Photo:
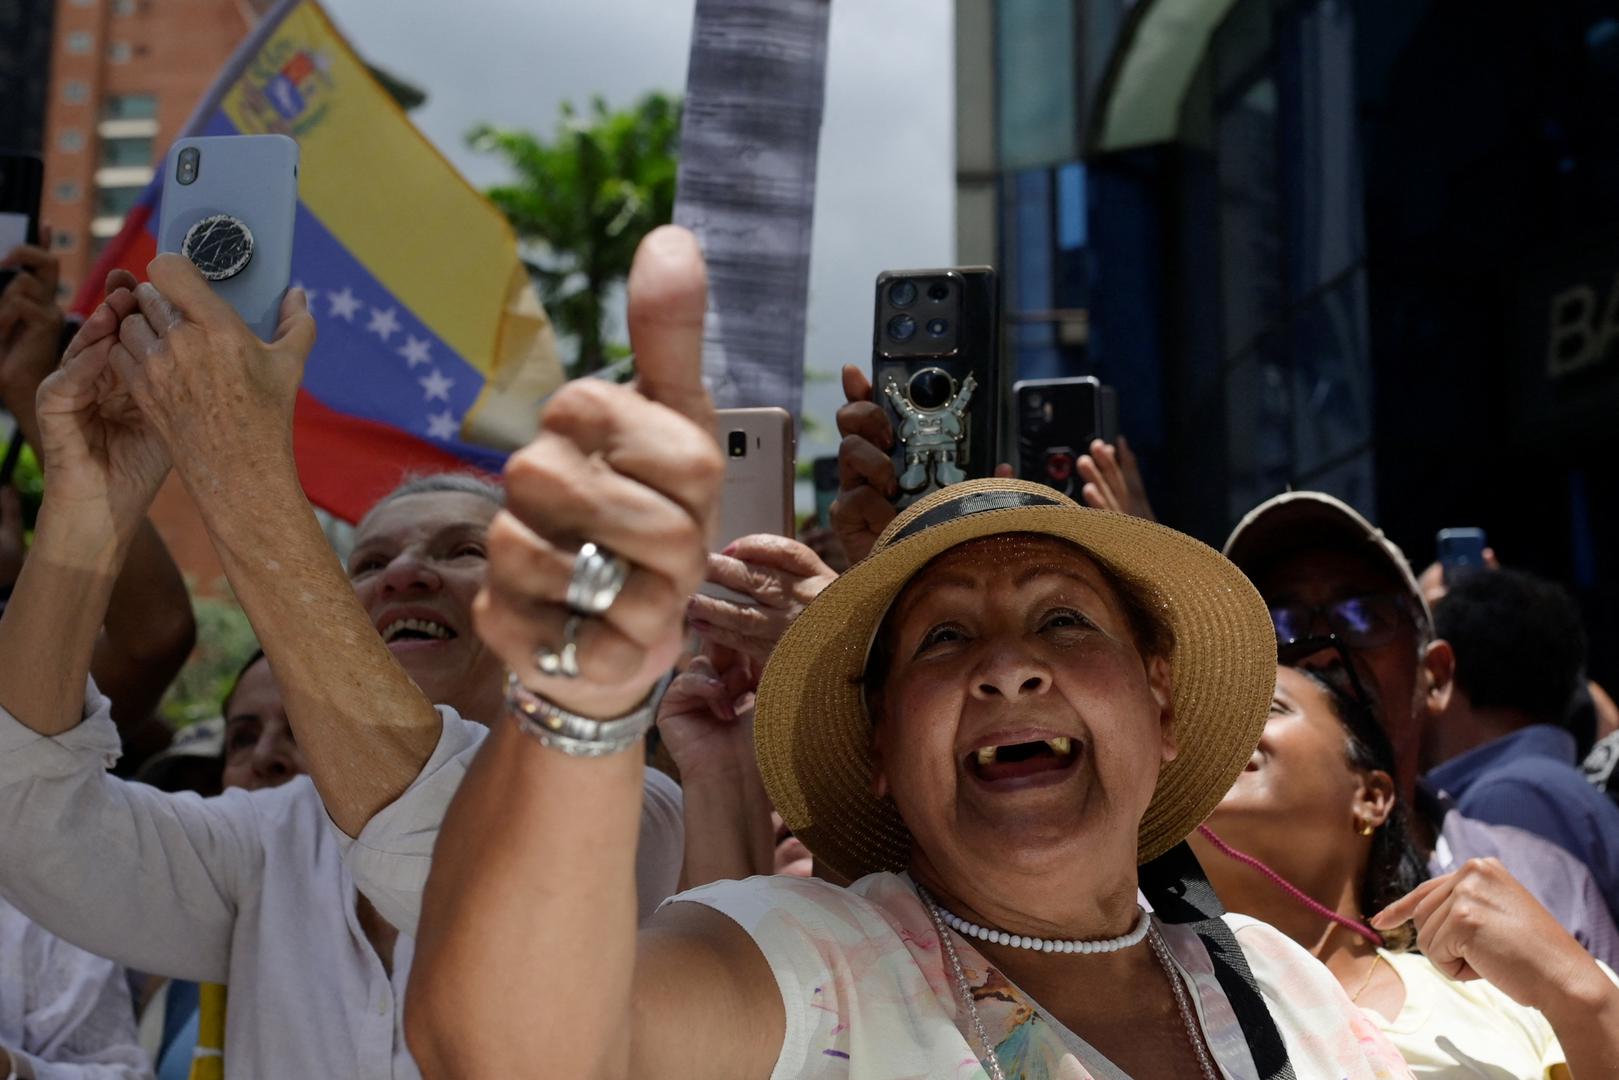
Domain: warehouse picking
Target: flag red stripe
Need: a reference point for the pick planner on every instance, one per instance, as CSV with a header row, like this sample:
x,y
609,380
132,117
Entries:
x,y
347,464
133,247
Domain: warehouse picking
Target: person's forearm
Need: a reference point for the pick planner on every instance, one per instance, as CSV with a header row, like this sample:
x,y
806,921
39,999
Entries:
x,y
529,919
50,624
1585,1017
728,829
364,727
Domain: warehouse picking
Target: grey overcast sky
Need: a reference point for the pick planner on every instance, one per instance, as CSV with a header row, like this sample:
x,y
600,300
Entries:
x,y
886,185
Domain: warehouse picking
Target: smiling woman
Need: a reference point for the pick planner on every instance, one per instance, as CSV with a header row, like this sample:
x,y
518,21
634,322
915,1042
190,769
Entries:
x,y
418,560
987,725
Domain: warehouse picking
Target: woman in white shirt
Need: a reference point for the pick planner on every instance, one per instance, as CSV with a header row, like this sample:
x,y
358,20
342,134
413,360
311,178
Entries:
x,y
1312,840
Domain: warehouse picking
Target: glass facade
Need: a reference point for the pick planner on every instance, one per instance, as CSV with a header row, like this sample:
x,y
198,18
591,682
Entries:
x,y
1038,114
1374,264
1291,279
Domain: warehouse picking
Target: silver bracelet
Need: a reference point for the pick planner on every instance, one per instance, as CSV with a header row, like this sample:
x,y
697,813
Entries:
x,y
575,735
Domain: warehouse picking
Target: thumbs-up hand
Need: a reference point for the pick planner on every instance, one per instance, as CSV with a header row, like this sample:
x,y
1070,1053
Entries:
x,y
633,470
221,399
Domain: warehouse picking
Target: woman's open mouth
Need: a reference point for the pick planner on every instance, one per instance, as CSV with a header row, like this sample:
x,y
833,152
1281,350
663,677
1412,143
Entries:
x,y
1038,760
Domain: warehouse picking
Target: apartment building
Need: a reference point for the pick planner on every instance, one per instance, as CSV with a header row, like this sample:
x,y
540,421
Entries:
x,y
124,77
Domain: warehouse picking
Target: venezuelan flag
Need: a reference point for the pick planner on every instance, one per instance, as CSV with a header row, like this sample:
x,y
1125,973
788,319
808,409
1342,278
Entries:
x,y
433,350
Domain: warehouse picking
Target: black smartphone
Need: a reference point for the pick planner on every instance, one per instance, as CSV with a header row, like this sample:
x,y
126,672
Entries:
x,y
935,369
1056,421
1460,550
22,180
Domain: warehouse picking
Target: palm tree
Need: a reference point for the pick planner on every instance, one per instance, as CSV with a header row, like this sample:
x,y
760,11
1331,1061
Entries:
x,y
588,197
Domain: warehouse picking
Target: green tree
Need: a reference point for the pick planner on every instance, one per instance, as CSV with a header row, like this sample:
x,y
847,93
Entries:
x,y
587,197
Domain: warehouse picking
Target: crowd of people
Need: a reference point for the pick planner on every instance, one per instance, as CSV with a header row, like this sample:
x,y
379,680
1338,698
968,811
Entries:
x,y
997,784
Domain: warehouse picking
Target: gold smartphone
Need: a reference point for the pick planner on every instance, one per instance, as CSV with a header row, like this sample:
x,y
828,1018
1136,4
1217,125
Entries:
x,y
758,495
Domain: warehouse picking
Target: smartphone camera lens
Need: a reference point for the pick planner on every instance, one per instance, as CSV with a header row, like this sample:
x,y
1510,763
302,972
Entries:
x,y
902,328
736,443
187,167
937,327
938,291
931,388
902,293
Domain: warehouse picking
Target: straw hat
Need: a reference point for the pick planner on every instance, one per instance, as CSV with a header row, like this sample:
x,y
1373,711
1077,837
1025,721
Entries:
x,y
812,732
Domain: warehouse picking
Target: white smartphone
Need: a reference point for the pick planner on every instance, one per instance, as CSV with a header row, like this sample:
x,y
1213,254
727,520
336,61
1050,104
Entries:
x,y
758,493
229,204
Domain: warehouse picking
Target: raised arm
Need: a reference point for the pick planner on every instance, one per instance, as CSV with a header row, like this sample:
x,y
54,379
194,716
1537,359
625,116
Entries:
x,y
223,402
149,627
103,466
70,829
528,951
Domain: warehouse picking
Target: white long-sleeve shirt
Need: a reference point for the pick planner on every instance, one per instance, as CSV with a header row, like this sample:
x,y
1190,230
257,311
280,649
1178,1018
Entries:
x,y
64,1014
248,889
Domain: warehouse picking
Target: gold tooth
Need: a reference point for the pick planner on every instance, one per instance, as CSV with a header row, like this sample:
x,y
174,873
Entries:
x,y
986,755
1061,745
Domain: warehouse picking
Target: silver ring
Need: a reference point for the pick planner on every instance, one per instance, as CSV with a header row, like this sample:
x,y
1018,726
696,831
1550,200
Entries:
x,y
598,578
562,663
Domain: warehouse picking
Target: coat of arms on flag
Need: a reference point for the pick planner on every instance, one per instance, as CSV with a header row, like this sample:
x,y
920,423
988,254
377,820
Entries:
x,y
434,351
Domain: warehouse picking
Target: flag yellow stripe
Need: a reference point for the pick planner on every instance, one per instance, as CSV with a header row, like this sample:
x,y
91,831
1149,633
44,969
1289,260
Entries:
x,y
448,254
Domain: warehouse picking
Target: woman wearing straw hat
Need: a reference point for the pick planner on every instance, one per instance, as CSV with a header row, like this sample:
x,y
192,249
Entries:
x,y
988,725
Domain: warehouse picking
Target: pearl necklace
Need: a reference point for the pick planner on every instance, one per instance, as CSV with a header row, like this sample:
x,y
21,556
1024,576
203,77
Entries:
x,y
1188,1018
1018,941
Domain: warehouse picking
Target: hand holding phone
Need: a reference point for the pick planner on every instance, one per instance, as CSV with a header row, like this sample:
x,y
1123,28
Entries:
x,y
758,492
1460,550
935,371
1057,421
229,204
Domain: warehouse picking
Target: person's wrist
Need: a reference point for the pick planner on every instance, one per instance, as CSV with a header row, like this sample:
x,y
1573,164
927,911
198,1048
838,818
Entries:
x,y
1585,995
79,536
719,766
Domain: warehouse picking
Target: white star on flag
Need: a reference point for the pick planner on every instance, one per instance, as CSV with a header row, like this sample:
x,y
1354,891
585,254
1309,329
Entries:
x,y
415,350
383,323
344,304
437,386
441,425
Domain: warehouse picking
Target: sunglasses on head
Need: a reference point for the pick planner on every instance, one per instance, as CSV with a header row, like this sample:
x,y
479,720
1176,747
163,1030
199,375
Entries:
x,y
1360,622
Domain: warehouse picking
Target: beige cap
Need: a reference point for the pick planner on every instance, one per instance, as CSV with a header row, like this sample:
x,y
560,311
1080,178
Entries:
x,y
1299,519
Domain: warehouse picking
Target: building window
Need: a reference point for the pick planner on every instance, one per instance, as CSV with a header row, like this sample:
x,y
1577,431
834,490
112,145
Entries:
x,y
70,141
80,42
84,3
129,107
62,240
67,191
75,92
123,7
119,52
131,151
117,201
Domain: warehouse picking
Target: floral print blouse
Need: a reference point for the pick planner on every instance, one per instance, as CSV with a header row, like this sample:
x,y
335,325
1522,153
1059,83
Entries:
x,y
869,993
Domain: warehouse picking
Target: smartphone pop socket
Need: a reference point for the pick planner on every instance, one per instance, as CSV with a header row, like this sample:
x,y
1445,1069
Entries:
x,y
220,247
229,204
